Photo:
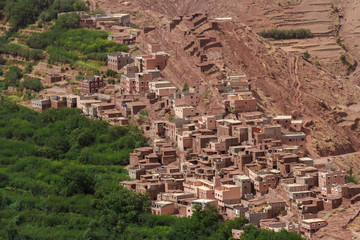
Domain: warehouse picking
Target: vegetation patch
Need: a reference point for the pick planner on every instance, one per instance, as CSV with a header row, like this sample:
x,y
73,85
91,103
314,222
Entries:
x,y
286,34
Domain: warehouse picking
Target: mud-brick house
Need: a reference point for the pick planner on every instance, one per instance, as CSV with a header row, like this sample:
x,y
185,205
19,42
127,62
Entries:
x,y
53,78
139,154
294,138
152,61
330,179
227,194
163,208
117,61
310,226
264,179
91,84
40,104
283,121
185,111
168,155
244,183
153,188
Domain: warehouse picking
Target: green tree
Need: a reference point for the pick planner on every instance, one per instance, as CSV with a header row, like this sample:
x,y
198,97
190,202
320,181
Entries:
x,y
33,84
76,180
13,76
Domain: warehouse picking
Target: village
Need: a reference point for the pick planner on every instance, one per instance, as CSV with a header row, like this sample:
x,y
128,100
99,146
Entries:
x,y
241,160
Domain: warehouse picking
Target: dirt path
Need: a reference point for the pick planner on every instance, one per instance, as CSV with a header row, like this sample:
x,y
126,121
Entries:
x,y
296,85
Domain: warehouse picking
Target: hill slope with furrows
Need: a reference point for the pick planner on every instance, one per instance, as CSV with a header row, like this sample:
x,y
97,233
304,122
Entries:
x,y
285,82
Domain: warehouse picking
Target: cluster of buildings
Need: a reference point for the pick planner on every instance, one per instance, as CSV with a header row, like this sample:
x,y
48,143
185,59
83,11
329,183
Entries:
x,y
242,161
251,166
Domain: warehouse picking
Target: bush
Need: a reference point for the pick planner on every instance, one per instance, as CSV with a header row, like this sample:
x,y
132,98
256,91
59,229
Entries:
x,y
306,54
76,181
33,84
13,76
185,87
79,77
28,67
111,73
18,50
134,26
2,60
111,81
286,34
342,57
316,63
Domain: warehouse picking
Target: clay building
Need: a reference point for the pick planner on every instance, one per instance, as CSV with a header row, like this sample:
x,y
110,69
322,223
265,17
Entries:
x,y
123,38
330,179
58,102
91,84
152,61
310,226
163,208
40,104
53,78
162,88
117,61
185,111
127,83
283,121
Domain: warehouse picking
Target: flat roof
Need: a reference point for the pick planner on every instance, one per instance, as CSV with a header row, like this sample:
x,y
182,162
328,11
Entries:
x,y
311,220
301,192
241,177
295,185
297,121
294,134
202,200
163,203
282,117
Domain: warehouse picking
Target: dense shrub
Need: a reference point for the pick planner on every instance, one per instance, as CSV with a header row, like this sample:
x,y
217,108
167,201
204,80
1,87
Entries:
x,y
21,13
111,73
33,84
28,67
21,51
2,60
286,34
13,76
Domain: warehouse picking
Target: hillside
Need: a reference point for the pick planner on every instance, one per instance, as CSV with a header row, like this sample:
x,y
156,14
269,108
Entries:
x,y
286,82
